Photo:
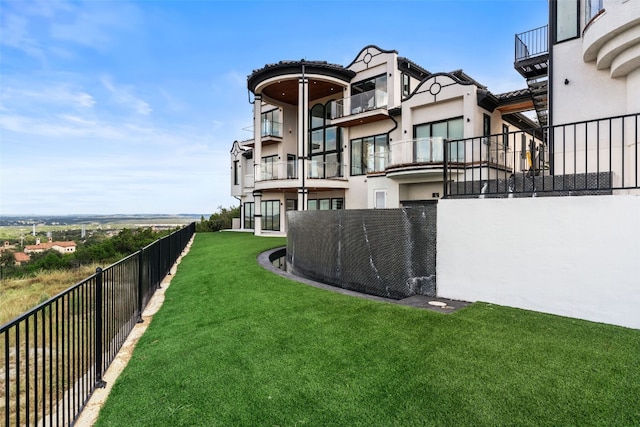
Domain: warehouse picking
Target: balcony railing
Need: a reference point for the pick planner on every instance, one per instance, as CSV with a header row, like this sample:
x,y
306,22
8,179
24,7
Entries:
x,y
532,43
271,128
288,171
421,151
590,157
276,170
52,358
325,170
359,103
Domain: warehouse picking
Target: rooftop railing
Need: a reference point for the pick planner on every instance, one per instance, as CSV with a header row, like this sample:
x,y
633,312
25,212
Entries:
x,y
532,43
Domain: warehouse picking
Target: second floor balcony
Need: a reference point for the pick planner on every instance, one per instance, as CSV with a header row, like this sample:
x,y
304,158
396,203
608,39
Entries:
x,y
360,108
288,171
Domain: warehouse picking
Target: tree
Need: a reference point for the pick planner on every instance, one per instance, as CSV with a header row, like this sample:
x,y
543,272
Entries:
x,y
221,220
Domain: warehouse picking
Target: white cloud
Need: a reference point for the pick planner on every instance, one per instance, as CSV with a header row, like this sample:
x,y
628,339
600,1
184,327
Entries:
x,y
15,34
124,96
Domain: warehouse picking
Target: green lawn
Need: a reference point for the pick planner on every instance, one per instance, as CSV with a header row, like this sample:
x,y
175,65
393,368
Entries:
x,y
236,345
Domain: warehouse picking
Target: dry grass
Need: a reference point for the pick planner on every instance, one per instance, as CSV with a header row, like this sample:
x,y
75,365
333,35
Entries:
x,y
18,296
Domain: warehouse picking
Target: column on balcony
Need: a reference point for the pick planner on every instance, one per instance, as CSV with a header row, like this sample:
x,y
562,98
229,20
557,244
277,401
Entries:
x,y
257,162
303,131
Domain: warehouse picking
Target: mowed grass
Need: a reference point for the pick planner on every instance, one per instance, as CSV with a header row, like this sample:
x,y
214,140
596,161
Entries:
x,y
236,345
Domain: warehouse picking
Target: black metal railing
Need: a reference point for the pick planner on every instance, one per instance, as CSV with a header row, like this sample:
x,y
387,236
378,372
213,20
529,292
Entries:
x,y
582,158
532,43
53,357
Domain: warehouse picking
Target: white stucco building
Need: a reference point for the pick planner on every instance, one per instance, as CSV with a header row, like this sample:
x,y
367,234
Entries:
x,y
368,135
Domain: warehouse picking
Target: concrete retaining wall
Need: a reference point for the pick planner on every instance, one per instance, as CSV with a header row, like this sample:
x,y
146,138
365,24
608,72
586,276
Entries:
x,y
571,256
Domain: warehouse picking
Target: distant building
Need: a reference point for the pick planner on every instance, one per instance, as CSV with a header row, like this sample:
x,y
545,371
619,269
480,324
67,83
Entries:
x,y
21,258
62,247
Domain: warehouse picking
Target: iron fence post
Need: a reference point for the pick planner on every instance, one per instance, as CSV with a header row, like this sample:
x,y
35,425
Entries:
x,y
140,292
98,331
445,159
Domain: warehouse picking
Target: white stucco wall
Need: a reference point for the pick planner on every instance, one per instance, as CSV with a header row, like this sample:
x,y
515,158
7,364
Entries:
x,y
570,256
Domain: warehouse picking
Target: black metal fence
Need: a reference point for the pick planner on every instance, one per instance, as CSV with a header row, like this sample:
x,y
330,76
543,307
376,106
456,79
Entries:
x,y
590,157
53,357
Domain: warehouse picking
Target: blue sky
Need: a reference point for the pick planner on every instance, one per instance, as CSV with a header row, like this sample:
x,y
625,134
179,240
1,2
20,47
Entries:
x,y
111,107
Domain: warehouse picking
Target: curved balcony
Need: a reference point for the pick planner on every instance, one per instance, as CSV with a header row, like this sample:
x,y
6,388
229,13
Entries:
x,y
612,39
283,175
418,160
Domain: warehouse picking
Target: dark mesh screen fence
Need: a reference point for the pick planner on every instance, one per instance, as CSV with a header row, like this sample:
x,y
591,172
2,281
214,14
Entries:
x,y
387,252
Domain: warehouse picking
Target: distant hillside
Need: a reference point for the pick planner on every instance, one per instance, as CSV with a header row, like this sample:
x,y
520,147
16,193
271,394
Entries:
x,y
141,219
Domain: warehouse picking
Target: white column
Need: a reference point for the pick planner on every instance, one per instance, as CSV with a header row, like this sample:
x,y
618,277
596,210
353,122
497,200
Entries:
x,y
303,135
257,138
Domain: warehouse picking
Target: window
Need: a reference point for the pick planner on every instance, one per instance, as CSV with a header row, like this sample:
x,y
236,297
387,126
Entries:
x,y
236,172
429,141
369,154
380,199
249,215
369,94
505,136
325,204
271,215
486,125
406,85
324,146
292,170
593,8
272,123
269,168
565,14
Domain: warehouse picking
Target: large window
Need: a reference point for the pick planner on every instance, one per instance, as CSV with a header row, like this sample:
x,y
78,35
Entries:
x,y
271,215
566,13
249,215
324,146
369,154
272,123
369,94
429,140
325,204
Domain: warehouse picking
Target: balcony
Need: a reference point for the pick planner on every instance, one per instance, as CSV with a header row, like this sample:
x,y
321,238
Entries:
x,y
271,131
532,62
361,108
612,39
420,158
285,174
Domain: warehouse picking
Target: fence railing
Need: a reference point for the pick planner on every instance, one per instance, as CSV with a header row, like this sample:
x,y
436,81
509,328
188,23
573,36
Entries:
x,y
589,157
53,357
